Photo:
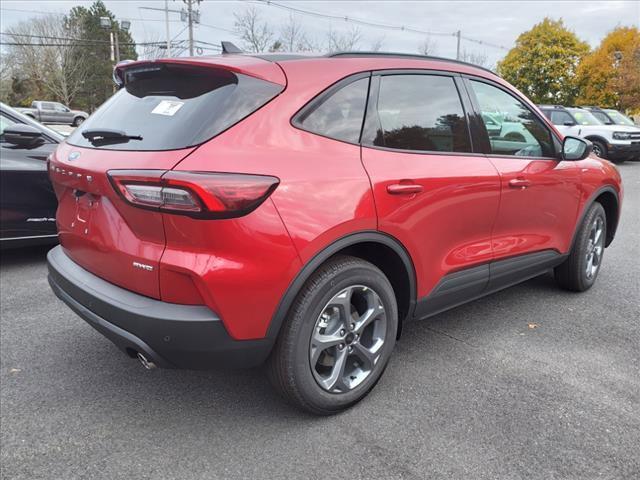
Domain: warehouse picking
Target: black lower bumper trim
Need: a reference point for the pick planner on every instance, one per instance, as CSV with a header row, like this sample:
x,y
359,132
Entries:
x,y
170,335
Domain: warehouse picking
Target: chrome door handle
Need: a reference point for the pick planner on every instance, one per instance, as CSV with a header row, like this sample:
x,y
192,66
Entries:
x,y
404,188
519,183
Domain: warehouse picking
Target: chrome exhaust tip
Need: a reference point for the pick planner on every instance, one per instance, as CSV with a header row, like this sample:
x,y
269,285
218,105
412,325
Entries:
x,y
146,363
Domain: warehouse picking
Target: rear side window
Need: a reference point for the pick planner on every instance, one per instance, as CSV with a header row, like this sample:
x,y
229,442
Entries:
x,y
338,116
561,118
420,112
175,106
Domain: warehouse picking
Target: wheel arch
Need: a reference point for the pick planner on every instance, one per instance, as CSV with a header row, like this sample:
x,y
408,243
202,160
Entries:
x,y
382,250
597,138
608,197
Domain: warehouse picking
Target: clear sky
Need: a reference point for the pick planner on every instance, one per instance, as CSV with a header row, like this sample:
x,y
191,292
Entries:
x,y
497,23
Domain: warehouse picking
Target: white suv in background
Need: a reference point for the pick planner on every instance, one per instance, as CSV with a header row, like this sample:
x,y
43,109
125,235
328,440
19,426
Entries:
x,y
613,142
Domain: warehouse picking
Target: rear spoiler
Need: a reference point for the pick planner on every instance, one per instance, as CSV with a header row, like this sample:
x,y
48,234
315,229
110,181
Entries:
x,y
231,59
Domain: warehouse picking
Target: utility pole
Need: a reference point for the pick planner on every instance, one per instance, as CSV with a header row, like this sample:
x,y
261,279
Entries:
x,y
458,45
166,24
192,16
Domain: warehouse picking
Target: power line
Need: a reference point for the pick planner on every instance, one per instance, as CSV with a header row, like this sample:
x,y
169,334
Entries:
x,y
386,26
347,18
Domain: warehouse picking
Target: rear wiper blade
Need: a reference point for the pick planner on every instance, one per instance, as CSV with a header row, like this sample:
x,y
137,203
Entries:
x,y
105,136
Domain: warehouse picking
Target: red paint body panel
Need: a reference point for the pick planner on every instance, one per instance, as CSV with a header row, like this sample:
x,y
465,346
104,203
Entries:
x,y
448,226
466,214
541,215
99,230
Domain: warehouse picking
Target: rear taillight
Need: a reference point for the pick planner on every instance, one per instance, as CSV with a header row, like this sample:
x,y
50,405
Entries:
x,y
199,195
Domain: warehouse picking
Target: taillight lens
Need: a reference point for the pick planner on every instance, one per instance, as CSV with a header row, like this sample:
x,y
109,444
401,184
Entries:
x,y
200,195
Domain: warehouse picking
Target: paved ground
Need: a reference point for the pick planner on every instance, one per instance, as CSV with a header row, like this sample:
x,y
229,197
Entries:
x,y
473,393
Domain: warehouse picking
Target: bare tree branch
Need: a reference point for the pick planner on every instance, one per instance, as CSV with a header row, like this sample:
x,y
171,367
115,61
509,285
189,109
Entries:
x,y
428,46
342,42
479,59
61,69
256,35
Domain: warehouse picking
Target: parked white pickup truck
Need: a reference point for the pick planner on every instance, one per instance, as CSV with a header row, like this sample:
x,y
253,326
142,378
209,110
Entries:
x,y
54,112
613,142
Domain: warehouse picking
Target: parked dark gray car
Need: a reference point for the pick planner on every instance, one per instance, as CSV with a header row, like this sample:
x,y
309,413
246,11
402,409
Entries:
x,y
54,112
27,200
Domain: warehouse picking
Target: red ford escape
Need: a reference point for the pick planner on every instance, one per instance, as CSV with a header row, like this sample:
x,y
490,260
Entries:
x,y
239,209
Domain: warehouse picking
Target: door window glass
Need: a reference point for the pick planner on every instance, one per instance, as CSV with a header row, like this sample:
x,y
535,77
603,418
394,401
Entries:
x,y
421,112
514,129
561,118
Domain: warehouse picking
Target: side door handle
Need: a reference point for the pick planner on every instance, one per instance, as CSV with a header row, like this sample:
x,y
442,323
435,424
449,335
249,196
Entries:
x,y
404,188
519,183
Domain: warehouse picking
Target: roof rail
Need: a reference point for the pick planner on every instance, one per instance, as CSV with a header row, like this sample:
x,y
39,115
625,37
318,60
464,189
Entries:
x,y
404,55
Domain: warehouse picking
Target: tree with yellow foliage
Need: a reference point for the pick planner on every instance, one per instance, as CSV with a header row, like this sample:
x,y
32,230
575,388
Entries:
x,y
610,75
543,63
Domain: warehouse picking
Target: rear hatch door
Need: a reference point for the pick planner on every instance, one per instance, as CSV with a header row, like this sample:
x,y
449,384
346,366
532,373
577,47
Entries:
x,y
162,113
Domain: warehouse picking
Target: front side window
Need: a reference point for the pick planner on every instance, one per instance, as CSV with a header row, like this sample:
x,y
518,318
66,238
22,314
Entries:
x,y
619,118
340,115
420,112
602,117
583,117
558,117
514,129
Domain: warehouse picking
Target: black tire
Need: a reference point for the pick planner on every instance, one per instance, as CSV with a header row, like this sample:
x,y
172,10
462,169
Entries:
x,y
572,274
78,121
600,149
289,366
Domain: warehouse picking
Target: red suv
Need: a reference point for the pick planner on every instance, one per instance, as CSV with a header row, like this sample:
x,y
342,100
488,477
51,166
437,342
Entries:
x,y
235,209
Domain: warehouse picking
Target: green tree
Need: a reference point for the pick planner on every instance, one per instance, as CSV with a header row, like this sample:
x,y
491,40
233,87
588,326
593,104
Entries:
x,y
544,61
98,85
610,75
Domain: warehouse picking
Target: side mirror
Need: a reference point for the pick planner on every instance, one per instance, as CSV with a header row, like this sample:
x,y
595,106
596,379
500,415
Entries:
x,y
574,148
23,135
569,124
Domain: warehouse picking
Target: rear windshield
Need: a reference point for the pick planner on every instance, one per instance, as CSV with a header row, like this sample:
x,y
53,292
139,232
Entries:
x,y
168,107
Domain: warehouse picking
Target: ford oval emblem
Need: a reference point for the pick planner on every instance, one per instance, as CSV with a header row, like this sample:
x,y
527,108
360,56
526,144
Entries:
x,y
73,155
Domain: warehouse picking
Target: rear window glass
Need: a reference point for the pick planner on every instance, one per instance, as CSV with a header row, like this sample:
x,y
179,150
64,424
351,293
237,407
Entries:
x,y
175,106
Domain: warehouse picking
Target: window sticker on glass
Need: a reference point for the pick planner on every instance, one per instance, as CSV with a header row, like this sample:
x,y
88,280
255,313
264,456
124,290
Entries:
x,y
167,107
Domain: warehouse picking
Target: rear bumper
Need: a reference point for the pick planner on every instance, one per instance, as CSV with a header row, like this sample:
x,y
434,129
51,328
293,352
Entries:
x,y
168,334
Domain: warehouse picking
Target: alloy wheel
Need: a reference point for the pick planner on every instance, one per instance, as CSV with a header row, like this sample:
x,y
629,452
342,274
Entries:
x,y
347,339
595,247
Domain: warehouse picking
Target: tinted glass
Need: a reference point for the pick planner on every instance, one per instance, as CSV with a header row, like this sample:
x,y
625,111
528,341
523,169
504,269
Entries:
x,y
421,112
340,115
560,118
47,106
172,106
515,129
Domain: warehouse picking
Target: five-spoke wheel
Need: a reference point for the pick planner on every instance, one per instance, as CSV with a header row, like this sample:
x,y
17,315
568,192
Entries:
x,y
337,338
347,339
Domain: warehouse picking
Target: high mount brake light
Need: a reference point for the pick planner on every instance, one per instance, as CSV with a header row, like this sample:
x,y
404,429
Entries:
x,y
199,195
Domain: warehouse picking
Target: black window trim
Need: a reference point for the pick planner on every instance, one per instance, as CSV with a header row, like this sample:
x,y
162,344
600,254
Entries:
x,y
309,107
372,105
557,142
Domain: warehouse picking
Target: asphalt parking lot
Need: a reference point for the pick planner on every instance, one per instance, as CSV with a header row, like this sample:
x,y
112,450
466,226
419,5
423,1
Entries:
x,y
532,382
